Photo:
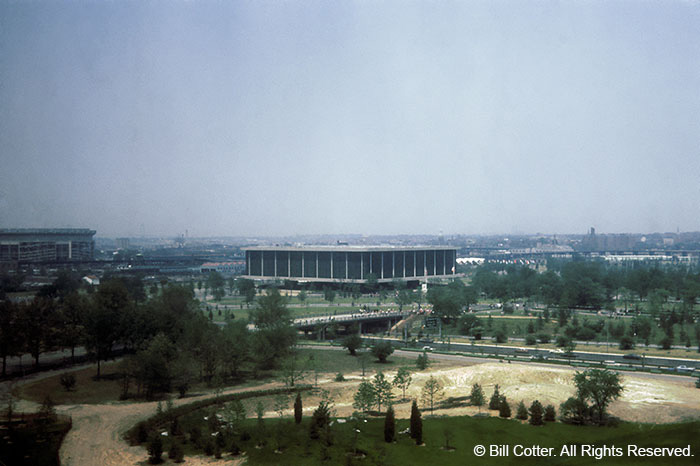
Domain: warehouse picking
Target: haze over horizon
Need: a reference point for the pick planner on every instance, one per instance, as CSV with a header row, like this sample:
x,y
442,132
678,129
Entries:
x,y
377,118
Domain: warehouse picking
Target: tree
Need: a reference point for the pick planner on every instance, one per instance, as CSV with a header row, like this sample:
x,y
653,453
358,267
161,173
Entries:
x,y
352,342
329,294
550,414
68,381
402,380
292,369
364,397
536,412
216,283
404,298
102,319
422,361
477,396
38,324
236,348
504,408
155,449
382,390
432,391
389,425
298,409
246,288
416,424
10,336
521,412
600,386
495,401
275,334
382,350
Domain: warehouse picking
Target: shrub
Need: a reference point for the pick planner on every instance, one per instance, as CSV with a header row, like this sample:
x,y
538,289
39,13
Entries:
x,y
422,362
495,401
550,414
416,424
544,337
504,408
521,412
574,411
382,350
297,409
176,452
155,449
530,340
339,377
209,447
68,381
536,412
389,425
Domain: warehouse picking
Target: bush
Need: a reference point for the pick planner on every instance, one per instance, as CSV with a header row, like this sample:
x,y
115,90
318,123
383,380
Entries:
x,y
68,381
339,377
563,341
155,449
298,409
176,452
544,337
416,424
530,340
550,414
536,412
495,401
504,408
574,411
382,350
422,362
626,343
389,425
521,412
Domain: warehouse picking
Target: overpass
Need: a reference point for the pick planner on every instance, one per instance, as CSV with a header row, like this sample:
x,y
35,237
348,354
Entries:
x,y
373,319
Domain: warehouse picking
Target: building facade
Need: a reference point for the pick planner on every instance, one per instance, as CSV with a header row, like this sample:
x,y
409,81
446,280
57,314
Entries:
x,y
350,264
39,245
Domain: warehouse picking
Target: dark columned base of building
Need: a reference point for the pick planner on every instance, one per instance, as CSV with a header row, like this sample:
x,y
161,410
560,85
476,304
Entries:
x,y
333,266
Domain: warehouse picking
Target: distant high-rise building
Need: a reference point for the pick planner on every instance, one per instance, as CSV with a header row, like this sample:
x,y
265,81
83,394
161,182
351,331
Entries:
x,y
122,243
46,245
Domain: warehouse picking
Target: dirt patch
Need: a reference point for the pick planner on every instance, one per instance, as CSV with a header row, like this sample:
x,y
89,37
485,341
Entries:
x,y
96,436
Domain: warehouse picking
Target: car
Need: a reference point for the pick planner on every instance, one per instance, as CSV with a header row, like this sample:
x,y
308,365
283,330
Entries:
x,y
610,363
539,357
427,348
683,368
632,356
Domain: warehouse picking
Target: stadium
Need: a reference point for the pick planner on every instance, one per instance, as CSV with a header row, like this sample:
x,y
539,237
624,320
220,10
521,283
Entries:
x,y
350,264
42,245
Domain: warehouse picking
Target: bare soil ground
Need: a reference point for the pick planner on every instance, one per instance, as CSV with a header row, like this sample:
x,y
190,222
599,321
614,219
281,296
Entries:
x,y
96,436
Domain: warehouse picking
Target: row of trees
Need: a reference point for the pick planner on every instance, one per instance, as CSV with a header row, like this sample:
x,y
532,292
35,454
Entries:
x,y
169,341
590,284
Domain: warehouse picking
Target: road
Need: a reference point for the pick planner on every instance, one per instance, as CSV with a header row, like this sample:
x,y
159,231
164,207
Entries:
x,y
578,356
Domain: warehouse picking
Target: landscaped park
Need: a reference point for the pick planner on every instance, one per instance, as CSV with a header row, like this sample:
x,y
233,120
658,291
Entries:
x,y
198,386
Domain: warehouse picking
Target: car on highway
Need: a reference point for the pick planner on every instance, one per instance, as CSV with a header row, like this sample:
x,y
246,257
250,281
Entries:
x,y
632,356
684,368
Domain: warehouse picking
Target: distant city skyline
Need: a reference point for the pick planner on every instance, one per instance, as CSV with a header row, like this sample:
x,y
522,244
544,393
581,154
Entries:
x,y
312,117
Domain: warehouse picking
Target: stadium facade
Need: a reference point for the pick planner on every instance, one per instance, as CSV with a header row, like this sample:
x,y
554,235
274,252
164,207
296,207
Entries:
x,y
42,245
350,264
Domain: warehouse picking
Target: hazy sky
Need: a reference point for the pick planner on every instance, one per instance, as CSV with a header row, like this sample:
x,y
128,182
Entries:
x,y
376,117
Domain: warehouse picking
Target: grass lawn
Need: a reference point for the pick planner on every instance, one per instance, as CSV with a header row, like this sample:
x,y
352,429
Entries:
x,y
87,390
463,433
108,388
